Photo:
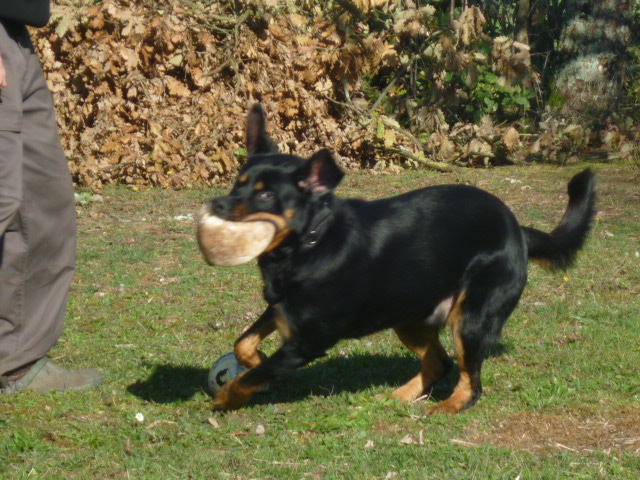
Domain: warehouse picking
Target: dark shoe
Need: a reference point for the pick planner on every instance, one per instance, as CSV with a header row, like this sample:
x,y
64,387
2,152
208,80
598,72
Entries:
x,y
45,376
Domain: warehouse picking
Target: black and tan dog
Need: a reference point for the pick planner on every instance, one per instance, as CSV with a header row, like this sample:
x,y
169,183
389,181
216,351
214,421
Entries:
x,y
334,269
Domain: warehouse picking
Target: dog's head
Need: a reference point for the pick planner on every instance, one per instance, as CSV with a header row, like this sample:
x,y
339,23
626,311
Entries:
x,y
272,201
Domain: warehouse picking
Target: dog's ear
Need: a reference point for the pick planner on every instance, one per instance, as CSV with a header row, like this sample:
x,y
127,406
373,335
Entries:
x,y
257,140
320,173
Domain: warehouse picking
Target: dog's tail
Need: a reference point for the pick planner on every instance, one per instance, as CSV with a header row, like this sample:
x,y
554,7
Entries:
x,y
557,250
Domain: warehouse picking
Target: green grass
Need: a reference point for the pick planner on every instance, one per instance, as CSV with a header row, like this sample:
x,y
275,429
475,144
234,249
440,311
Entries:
x,y
562,391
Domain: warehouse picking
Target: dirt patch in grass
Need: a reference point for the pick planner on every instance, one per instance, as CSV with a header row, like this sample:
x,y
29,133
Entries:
x,y
540,432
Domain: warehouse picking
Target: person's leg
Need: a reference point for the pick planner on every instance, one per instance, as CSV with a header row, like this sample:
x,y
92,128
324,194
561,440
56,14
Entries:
x,y
39,256
14,248
47,217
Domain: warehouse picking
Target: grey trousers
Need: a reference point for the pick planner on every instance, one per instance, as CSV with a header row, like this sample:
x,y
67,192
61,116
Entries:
x,y
37,209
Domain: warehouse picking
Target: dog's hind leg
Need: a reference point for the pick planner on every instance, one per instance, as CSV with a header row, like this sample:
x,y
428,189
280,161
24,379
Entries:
x,y
469,387
246,347
424,341
476,321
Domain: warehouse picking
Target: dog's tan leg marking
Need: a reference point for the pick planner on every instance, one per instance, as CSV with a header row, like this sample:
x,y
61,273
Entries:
x,y
462,393
424,341
234,394
246,347
282,324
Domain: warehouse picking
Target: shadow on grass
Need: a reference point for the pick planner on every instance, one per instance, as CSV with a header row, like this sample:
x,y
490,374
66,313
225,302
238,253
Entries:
x,y
325,377
170,383
176,383
354,374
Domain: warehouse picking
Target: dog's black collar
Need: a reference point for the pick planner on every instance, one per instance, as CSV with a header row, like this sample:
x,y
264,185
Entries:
x,y
318,224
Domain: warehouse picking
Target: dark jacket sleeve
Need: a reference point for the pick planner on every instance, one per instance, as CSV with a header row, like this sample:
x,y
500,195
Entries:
x,y
27,12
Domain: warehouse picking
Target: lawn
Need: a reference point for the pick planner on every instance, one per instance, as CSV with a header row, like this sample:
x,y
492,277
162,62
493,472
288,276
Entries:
x,y
562,391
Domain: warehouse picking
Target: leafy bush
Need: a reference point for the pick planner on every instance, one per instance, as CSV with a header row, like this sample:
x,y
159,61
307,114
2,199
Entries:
x,y
491,96
155,93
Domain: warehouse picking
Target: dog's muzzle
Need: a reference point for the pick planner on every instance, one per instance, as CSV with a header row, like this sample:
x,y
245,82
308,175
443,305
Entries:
x,y
227,244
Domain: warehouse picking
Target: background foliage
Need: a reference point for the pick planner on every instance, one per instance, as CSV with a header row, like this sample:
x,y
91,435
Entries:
x,y
155,92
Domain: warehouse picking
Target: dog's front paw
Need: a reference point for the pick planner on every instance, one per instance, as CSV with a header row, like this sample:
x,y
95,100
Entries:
x,y
233,395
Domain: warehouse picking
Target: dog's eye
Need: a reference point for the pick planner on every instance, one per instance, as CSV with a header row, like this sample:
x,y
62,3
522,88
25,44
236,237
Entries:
x,y
264,196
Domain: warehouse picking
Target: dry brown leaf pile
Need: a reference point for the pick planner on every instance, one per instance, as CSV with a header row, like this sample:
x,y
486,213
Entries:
x,y
148,96
156,93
